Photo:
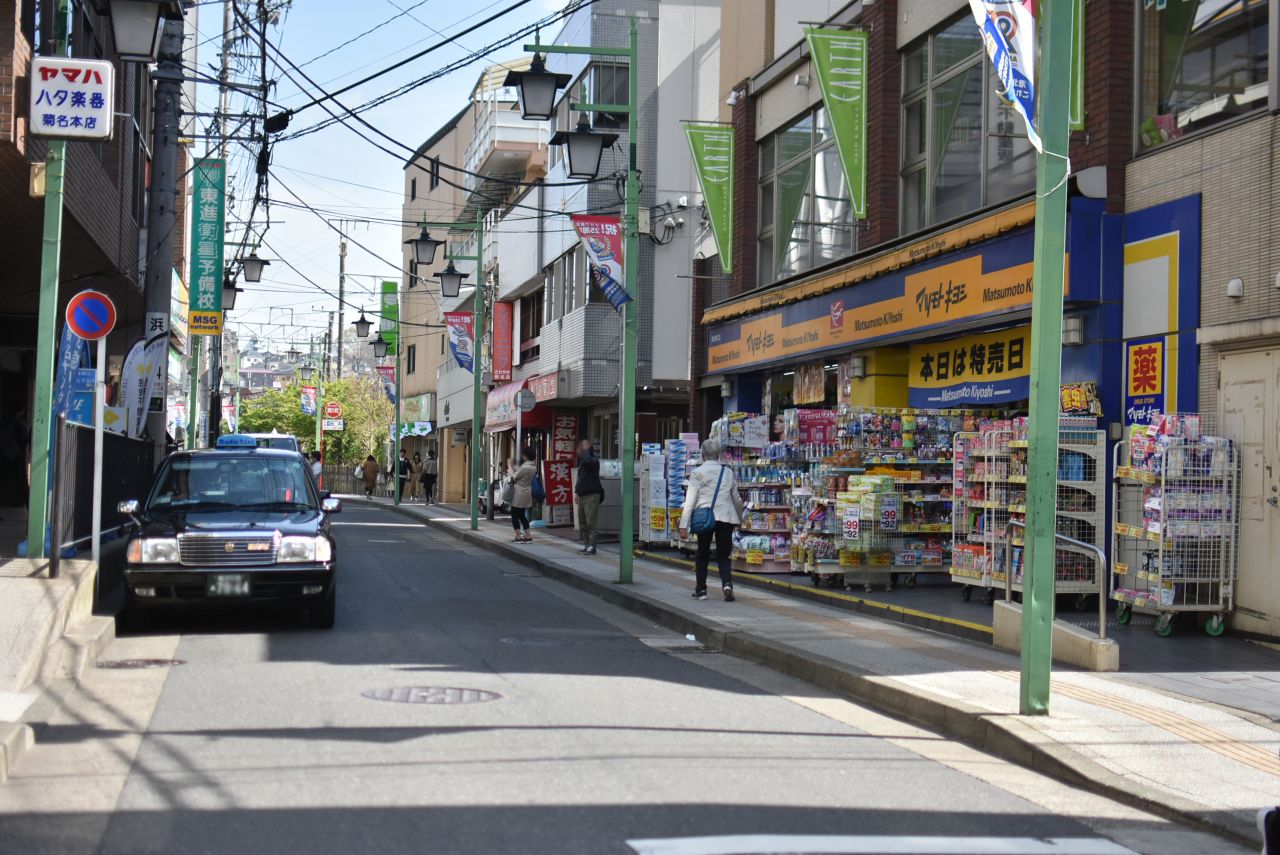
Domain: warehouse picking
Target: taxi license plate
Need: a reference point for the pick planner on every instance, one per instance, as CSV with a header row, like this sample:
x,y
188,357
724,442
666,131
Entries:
x,y
228,585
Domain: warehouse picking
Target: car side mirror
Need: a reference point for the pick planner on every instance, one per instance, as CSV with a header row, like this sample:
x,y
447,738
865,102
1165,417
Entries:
x,y
330,505
129,507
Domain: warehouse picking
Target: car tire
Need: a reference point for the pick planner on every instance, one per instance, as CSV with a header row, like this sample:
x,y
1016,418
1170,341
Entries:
x,y
322,616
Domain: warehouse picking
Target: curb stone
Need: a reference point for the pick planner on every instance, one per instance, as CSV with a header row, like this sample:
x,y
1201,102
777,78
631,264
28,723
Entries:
x,y
1003,736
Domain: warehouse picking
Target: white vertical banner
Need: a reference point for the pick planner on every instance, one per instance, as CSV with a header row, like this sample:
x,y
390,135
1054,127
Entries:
x,y
1008,30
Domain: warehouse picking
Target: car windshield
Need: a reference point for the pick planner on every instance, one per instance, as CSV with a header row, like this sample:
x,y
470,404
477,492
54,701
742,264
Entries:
x,y
288,443
224,481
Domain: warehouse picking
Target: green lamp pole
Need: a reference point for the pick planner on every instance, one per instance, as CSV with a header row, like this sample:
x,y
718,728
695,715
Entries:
x,y
631,267
47,322
1046,355
478,320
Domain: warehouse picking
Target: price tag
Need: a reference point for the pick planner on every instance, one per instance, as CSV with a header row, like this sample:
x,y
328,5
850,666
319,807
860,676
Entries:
x,y
890,507
657,518
1120,568
755,556
852,524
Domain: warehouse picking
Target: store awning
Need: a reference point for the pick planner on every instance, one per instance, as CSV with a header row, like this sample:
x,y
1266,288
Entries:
x,y
500,407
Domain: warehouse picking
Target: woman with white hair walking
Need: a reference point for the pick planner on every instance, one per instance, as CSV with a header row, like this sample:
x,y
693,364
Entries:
x,y
712,508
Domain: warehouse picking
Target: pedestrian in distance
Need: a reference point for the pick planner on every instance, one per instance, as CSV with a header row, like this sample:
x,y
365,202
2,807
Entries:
x,y
317,469
403,467
430,471
415,477
590,494
1269,825
522,496
712,487
369,472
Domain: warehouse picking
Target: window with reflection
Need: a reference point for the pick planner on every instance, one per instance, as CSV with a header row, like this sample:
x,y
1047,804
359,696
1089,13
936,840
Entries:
x,y
964,146
1201,61
805,215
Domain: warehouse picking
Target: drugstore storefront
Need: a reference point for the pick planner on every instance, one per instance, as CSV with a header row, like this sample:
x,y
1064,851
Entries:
x,y
939,323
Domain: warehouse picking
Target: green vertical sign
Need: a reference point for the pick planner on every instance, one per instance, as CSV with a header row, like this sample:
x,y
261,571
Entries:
x,y
208,217
840,60
1077,66
390,326
712,147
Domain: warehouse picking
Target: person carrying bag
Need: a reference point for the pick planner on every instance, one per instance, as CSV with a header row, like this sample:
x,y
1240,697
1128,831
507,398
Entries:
x,y
712,508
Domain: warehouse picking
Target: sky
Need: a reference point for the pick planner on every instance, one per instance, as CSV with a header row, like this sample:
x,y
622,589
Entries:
x,y
333,170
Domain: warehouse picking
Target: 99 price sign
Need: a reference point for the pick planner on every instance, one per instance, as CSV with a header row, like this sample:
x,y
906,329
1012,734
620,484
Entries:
x,y
890,506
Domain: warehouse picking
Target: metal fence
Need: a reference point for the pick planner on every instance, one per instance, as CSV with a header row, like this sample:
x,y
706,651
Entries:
x,y
341,478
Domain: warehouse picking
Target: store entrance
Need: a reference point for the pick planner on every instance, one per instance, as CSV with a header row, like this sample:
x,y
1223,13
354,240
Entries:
x,y
1249,410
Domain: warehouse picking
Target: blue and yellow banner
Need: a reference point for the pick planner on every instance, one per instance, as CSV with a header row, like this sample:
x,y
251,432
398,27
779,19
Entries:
x,y
992,369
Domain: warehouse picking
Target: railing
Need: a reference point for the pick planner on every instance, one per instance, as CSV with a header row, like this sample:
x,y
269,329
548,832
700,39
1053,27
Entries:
x,y
1099,557
341,478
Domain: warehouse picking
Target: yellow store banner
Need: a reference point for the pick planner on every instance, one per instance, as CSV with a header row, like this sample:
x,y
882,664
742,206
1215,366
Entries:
x,y
990,368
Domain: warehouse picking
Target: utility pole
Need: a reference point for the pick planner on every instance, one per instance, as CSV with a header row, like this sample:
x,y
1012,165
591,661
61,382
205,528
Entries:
x,y
161,211
47,320
342,296
328,348
1046,355
224,108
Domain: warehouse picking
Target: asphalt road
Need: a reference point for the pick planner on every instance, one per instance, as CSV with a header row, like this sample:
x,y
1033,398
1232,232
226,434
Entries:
x,y
576,728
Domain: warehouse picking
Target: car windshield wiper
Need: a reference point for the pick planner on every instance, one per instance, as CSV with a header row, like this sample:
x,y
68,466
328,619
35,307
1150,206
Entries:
x,y
192,506
277,505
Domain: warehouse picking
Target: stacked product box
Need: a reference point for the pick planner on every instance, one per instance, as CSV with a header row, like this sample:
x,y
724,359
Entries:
x,y
653,498
676,458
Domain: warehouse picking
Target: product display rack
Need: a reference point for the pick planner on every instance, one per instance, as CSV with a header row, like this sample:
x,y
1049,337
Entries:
x,y
763,542
991,477
1175,524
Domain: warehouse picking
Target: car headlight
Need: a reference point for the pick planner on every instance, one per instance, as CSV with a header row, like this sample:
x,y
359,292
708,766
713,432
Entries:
x,y
153,550
296,549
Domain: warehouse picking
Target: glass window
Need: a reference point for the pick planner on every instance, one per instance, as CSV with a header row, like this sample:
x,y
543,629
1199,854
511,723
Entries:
x,y
223,481
794,215
411,359
1202,61
766,156
609,85
766,205
796,139
963,145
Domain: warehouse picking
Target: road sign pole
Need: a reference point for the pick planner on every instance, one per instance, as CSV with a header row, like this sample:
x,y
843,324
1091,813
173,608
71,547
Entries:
x,y
1046,356
99,407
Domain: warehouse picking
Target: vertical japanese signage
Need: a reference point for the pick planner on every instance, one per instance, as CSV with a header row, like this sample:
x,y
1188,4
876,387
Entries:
x,y
602,238
208,216
712,147
1008,29
558,470
460,339
390,326
1144,380
502,352
840,60
71,98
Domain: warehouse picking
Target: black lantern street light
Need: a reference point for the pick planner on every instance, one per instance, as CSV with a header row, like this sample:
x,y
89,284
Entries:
x,y
537,89
424,247
305,372
451,281
229,293
380,346
362,325
252,266
293,353
136,27
586,147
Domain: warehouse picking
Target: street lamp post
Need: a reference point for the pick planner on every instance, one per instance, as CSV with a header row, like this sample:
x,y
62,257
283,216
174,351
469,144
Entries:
x,y
631,260
452,280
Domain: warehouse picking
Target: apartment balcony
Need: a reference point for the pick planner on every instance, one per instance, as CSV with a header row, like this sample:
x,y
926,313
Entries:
x,y
505,148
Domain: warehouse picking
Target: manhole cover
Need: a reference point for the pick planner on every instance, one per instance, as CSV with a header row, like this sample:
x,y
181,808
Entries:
x,y
533,642
122,664
431,695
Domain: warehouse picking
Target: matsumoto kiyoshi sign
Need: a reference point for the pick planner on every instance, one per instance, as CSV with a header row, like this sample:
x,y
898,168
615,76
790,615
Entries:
x,y
994,368
987,280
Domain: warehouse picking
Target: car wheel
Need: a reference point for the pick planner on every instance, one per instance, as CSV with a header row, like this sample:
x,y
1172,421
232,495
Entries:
x,y
322,616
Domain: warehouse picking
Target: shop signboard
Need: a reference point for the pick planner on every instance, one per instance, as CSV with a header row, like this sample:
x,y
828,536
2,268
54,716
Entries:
x,y
208,215
840,60
503,315
1144,380
71,98
992,368
712,147
331,424
544,387
557,473
975,282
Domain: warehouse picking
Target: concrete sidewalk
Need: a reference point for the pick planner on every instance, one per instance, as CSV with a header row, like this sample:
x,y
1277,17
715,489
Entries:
x,y
1201,762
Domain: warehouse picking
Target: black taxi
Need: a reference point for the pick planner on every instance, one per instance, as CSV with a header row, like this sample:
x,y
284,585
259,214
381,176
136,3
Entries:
x,y
235,524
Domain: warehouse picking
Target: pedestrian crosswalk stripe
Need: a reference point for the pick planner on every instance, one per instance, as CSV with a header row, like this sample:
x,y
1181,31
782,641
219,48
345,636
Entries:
x,y
816,844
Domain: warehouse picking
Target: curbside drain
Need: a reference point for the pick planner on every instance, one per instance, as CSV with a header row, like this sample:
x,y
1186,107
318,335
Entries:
x,y
440,695
125,664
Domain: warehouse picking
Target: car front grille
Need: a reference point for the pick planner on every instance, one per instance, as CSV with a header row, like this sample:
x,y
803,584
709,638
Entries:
x,y
211,550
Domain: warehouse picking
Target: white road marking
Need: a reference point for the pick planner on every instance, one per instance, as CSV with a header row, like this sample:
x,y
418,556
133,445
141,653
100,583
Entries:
x,y
385,541
376,524
813,844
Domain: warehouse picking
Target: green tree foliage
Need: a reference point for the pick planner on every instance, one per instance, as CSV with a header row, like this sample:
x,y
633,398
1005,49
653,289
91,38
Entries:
x,y
366,414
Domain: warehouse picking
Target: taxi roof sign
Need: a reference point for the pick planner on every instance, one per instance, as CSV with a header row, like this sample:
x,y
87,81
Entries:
x,y
237,440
